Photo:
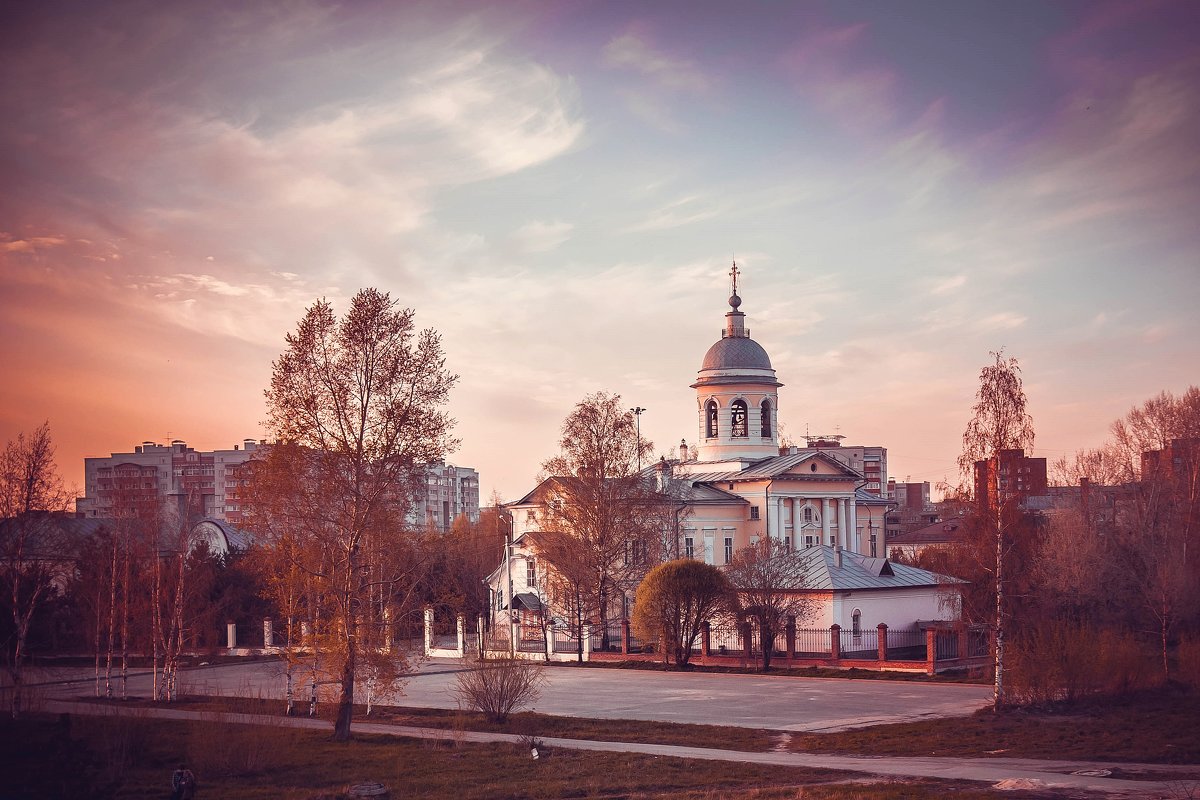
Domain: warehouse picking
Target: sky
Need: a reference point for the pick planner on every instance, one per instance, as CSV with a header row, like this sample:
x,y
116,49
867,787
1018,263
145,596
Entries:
x,y
558,188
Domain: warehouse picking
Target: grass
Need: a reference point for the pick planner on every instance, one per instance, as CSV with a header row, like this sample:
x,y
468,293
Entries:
x,y
523,723
123,757
1159,727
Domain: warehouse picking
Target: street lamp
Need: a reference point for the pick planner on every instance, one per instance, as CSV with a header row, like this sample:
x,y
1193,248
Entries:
x,y
637,412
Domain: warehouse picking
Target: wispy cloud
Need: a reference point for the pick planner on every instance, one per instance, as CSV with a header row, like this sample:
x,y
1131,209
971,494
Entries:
x,y
636,51
540,236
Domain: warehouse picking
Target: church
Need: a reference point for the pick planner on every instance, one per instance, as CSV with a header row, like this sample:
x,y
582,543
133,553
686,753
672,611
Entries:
x,y
739,487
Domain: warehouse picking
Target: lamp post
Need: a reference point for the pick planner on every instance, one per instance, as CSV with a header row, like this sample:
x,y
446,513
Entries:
x,y
637,412
512,623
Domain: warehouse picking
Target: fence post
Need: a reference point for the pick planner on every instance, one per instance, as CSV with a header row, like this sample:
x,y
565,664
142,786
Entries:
x,y
931,651
706,638
428,630
268,633
835,642
882,628
231,632
791,638
548,645
747,642
624,636
462,635
587,642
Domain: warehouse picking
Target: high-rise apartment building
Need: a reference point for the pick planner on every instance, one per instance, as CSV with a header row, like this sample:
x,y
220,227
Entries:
x,y
450,492
1013,474
187,480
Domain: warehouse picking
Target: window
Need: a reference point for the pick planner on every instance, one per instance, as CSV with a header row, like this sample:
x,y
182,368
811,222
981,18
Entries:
x,y
754,512
808,541
808,514
737,419
728,549
689,547
873,543
856,623
710,416
531,572
765,410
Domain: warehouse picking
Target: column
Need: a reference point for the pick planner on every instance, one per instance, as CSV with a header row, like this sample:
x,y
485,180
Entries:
x,y
858,547
774,518
843,520
826,506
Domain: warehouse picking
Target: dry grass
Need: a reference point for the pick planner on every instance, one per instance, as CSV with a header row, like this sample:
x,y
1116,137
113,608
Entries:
x,y
290,763
1155,727
522,724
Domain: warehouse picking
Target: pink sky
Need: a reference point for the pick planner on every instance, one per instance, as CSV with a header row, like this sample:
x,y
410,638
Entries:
x,y
559,189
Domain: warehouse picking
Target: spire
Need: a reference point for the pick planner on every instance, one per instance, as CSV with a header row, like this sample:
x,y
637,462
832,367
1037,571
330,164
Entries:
x,y
735,320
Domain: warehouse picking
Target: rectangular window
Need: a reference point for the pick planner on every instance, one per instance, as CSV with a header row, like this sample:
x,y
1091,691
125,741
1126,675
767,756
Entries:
x,y
728,549
531,573
689,547
754,512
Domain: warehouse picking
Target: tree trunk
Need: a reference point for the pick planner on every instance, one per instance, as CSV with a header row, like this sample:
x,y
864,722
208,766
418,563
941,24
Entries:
x,y
112,624
125,628
998,698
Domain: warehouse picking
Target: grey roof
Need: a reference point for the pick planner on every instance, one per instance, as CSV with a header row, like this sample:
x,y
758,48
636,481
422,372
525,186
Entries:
x,y
54,534
934,533
736,352
777,466
861,572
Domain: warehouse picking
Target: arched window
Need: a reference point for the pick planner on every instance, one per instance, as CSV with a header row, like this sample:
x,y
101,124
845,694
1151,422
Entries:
x,y
765,410
710,417
808,514
738,424
856,622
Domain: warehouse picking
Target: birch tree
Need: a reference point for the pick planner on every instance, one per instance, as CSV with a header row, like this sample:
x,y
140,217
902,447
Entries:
x,y
999,422
355,405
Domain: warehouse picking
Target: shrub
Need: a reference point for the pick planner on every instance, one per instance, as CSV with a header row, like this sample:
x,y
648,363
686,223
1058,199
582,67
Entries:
x,y
498,687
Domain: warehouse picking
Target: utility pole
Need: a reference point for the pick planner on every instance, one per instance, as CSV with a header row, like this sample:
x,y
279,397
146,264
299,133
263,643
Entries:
x,y
637,412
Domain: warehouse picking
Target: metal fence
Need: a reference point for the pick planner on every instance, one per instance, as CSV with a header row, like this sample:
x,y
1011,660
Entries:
x,y
859,644
906,644
813,643
725,640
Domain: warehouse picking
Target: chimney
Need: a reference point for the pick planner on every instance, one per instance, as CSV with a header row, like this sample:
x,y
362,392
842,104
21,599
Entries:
x,y
837,556
683,450
662,474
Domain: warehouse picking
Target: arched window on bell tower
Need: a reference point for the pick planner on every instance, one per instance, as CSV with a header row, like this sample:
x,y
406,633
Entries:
x,y
710,419
765,410
739,426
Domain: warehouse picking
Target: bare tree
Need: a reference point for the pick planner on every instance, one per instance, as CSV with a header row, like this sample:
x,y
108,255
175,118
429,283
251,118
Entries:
x,y
612,517
355,405
35,553
498,687
769,577
999,422
674,600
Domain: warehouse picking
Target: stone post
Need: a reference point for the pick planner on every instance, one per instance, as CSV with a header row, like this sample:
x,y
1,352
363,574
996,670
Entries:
x,y
231,632
791,637
835,642
550,634
624,636
461,625
931,651
428,630
268,633
882,641
587,642
706,638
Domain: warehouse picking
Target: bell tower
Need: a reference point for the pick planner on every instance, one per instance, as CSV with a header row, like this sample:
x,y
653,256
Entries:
x,y
737,394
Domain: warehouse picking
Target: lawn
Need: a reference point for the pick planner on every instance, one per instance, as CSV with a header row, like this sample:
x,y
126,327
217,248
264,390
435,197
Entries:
x,y
121,757
1160,727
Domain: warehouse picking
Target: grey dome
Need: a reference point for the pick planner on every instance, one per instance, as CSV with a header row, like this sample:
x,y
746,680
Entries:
x,y
736,352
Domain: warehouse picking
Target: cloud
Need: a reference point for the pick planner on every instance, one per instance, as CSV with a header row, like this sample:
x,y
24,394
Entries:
x,y
30,245
677,213
539,236
948,285
633,51
829,68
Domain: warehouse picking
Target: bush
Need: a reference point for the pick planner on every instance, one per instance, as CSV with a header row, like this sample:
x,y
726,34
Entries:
x,y
498,687
1067,661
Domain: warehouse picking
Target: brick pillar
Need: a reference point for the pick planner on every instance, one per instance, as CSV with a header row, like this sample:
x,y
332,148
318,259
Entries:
x,y
835,642
931,651
461,625
791,637
625,636
706,638
882,656
550,634
268,632
231,632
428,629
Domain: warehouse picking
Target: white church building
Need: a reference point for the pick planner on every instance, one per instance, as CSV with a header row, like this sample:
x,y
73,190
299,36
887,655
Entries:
x,y
739,489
